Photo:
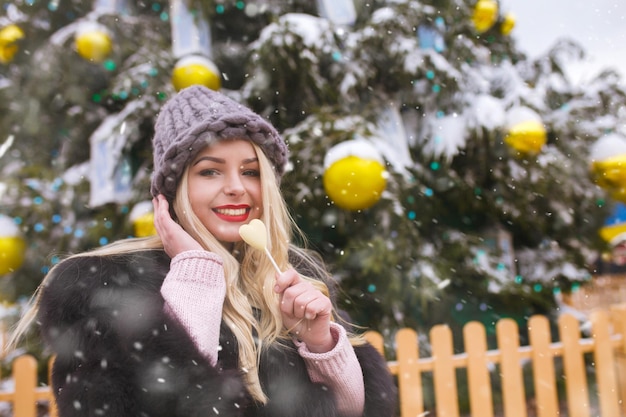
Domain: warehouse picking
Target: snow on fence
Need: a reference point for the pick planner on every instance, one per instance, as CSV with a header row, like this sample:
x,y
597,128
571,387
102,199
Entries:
x,y
600,357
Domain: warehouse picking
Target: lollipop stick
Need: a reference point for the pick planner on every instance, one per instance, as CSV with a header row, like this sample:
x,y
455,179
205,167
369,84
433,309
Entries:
x,y
269,255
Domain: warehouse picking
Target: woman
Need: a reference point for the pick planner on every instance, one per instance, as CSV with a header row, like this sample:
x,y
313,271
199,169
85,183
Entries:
x,y
193,322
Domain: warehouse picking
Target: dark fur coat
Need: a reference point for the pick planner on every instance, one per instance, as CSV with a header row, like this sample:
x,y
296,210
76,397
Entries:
x,y
119,355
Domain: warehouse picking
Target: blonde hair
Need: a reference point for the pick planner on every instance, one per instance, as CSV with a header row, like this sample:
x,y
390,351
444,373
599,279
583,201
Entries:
x,y
248,273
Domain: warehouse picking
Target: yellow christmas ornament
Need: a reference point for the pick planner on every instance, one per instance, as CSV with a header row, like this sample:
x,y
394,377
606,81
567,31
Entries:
x,y
355,175
9,37
142,218
93,42
526,133
196,70
610,174
508,23
12,246
485,15
608,165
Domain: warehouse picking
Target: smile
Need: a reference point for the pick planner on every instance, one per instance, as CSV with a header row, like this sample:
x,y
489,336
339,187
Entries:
x,y
231,211
232,214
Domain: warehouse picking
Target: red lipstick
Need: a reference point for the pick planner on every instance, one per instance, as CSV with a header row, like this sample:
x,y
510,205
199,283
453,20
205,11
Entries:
x,y
233,213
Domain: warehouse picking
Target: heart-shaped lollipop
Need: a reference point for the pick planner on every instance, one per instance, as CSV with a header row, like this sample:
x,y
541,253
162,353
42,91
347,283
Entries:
x,y
255,235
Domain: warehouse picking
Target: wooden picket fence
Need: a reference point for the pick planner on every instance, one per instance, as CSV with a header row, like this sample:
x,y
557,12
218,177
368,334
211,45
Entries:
x,y
606,346
27,393
604,350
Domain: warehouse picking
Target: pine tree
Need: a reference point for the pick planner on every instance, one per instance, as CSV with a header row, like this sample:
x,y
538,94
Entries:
x,y
468,227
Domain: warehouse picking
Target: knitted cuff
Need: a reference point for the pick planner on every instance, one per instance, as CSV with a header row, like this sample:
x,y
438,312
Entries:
x,y
196,265
336,357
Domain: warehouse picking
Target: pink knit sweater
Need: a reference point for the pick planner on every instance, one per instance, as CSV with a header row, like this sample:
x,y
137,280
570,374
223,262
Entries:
x,y
194,291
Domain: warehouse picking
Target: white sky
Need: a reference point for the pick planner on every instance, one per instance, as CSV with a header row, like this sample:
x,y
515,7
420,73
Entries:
x,y
598,25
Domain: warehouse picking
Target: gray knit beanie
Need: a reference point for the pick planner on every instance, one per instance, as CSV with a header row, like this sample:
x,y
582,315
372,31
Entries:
x,y
195,117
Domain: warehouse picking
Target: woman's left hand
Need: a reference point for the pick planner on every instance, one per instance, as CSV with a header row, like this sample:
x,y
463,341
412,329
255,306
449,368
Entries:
x,y
306,311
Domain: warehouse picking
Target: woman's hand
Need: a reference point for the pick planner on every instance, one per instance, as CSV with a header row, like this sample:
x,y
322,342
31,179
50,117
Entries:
x,y
175,239
306,311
